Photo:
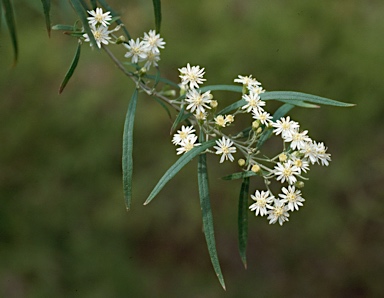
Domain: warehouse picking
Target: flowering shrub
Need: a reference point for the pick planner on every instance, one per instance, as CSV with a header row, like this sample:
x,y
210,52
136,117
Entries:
x,y
201,125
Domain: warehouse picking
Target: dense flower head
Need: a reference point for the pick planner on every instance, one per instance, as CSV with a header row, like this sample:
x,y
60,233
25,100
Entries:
x,y
192,76
136,50
187,144
153,42
286,172
224,147
292,197
247,81
183,134
197,101
264,201
101,35
98,17
285,127
278,212
254,103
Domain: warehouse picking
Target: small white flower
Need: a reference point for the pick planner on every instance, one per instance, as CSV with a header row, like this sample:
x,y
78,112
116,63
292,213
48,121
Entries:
x,y
192,76
321,154
151,59
136,50
198,101
298,139
153,42
187,144
286,172
183,134
278,213
254,103
201,116
101,35
293,197
247,81
300,163
285,126
98,17
255,89
224,147
263,200
262,116
310,152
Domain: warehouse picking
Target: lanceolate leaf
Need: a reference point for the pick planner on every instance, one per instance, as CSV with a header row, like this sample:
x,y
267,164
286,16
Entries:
x,y
232,88
47,8
243,220
291,95
157,8
239,175
207,216
177,166
280,112
72,68
10,20
63,27
127,161
178,119
105,5
78,5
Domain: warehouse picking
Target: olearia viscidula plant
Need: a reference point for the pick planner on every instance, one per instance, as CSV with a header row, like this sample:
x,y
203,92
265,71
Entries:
x,y
201,127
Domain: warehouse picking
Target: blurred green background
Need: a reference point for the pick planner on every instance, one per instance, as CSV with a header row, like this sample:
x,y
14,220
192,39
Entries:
x,y
64,231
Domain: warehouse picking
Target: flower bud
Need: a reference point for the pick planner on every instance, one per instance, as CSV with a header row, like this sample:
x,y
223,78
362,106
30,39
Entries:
x,y
282,157
169,93
120,40
213,104
299,184
255,124
241,162
255,168
259,130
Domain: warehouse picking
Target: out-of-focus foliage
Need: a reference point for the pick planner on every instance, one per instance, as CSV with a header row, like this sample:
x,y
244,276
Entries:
x,y
64,231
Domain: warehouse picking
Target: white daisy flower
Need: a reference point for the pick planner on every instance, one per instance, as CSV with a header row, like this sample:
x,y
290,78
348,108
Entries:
x,y
247,81
263,116
278,213
285,126
98,17
300,163
263,200
101,35
153,42
321,153
254,103
136,50
192,76
298,139
198,101
292,197
224,147
310,152
286,172
187,144
183,134
151,59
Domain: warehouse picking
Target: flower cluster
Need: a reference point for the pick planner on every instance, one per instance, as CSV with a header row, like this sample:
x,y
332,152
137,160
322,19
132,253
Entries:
x,y
299,150
185,138
99,22
145,49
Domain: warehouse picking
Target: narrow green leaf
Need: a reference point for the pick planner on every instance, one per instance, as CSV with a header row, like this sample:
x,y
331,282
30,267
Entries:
x,y
10,20
83,4
177,166
243,220
280,112
178,119
105,5
157,8
239,175
1,14
78,6
232,88
63,27
207,216
127,161
47,8
72,67
291,95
